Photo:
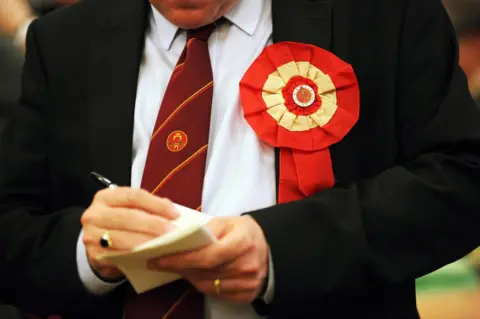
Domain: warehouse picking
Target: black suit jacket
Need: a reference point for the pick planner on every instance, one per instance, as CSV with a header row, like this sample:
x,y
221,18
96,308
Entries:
x,y
407,176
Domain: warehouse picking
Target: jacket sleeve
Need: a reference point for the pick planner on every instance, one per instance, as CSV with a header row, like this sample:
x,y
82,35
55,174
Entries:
x,y
38,268
410,219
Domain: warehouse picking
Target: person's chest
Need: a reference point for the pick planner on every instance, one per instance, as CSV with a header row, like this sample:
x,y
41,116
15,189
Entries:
x,y
240,168
95,115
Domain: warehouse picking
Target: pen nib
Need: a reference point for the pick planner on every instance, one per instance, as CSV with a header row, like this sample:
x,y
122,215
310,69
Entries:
x,y
102,179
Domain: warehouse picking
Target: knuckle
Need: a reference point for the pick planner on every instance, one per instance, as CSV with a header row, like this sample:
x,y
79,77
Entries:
x,y
86,218
214,260
249,268
209,262
130,196
255,265
89,216
101,195
86,238
248,244
244,244
118,219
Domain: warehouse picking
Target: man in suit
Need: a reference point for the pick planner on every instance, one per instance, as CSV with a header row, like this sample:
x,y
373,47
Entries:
x,y
405,197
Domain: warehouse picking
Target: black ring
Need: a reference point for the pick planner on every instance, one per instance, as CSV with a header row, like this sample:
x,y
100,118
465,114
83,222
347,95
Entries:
x,y
106,241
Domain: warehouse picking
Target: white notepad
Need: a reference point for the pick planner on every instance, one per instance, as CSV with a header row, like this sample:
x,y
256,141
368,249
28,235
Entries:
x,y
190,234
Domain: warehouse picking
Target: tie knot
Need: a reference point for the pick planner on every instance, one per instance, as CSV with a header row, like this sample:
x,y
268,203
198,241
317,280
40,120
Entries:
x,y
202,33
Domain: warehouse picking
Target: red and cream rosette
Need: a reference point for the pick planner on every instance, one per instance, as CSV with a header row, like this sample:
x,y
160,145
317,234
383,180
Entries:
x,y
301,99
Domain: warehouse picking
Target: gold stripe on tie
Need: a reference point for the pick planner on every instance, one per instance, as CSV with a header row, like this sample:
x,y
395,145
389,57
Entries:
x,y
177,68
193,96
179,167
177,303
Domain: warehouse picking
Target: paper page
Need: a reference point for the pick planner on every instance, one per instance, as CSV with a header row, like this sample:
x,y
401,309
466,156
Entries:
x,y
190,234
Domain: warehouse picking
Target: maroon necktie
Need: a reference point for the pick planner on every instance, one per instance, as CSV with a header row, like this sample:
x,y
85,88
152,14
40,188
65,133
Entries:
x,y
175,166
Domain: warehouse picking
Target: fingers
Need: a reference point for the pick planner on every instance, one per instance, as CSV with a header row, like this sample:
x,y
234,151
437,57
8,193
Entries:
x,y
229,286
219,227
127,219
240,289
131,216
126,197
239,259
244,266
121,240
227,249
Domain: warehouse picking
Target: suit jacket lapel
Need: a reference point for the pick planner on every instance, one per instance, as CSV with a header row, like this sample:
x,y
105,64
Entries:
x,y
114,59
303,21
115,56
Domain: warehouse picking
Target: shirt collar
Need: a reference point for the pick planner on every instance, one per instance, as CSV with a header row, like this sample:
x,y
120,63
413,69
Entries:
x,y
245,15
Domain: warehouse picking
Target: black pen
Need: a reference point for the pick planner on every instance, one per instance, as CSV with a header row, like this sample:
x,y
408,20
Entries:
x,y
103,180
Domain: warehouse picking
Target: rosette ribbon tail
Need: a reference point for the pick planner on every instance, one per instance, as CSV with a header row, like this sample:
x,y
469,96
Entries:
x,y
304,173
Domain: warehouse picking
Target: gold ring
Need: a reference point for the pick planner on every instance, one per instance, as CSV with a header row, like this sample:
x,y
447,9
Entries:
x,y
106,241
216,286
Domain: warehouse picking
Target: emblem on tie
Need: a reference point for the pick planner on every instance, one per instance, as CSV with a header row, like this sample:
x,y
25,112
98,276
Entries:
x,y
176,141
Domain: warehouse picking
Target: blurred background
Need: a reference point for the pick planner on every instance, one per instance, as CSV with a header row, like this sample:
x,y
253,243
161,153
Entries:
x,y
452,292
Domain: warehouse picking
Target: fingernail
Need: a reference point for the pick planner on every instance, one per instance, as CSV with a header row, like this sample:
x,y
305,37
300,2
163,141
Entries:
x,y
167,202
175,213
172,211
170,227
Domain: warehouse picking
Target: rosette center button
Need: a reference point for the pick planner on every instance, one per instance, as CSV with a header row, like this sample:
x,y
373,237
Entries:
x,y
303,95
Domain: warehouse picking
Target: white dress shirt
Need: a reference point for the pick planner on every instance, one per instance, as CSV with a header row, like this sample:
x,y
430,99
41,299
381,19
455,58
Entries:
x,y
240,169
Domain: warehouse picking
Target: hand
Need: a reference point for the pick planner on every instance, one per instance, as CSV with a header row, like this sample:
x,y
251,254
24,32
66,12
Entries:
x,y
130,216
239,259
